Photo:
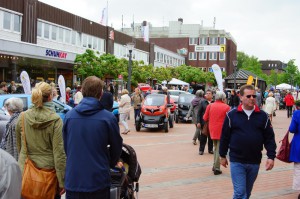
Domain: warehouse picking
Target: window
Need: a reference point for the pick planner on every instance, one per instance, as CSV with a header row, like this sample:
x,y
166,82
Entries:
x,y
212,56
39,29
222,56
90,43
17,23
73,38
222,40
46,31
203,41
192,56
203,56
54,33
78,39
84,40
6,20
95,41
67,36
60,34
213,40
193,41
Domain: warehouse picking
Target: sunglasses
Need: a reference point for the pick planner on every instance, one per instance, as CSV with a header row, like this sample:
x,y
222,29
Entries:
x,y
249,96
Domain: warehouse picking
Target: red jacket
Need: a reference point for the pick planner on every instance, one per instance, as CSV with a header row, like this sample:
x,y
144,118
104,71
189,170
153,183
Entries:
x,y
289,100
215,113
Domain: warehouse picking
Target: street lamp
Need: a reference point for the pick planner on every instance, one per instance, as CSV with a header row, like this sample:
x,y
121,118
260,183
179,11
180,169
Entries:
x,y
235,63
130,47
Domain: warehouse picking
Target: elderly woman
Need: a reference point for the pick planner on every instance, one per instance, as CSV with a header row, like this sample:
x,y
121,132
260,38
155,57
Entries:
x,y
194,108
270,106
124,109
215,113
14,106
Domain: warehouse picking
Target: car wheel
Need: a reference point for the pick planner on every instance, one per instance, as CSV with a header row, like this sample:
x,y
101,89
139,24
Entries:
x,y
166,127
176,119
171,120
138,126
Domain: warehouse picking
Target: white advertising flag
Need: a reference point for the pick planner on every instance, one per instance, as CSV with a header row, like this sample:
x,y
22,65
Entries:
x,y
146,33
218,75
62,88
25,82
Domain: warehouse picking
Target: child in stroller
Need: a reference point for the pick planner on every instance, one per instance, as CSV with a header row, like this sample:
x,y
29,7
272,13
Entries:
x,y
125,180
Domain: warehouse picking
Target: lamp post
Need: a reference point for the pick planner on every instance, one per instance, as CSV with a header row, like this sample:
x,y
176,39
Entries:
x,y
235,63
276,71
130,47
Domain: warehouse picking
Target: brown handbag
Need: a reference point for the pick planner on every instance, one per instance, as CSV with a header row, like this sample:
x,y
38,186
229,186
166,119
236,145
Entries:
x,y
37,183
205,129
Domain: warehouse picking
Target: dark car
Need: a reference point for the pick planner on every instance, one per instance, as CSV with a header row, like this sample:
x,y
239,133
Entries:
x,y
155,113
183,106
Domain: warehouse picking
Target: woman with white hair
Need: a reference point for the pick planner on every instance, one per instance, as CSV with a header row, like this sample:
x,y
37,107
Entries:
x,y
270,105
215,114
14,106
124,109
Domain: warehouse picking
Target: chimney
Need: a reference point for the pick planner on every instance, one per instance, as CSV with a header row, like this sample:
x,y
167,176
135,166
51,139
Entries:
x,y
180,20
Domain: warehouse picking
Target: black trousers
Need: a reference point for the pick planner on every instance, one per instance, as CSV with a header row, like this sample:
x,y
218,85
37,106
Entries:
x,y
289,111
203,139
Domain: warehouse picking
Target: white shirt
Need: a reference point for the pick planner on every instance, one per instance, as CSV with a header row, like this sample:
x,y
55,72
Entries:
x,y
248,112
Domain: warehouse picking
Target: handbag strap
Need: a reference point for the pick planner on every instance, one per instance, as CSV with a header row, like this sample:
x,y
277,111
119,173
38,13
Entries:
x,y
23,132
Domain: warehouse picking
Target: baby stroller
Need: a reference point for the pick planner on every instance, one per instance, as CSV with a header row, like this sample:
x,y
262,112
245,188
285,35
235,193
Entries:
x,y
125,181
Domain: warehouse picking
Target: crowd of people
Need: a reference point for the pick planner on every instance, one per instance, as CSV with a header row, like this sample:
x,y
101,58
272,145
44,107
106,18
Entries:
x,y
239,123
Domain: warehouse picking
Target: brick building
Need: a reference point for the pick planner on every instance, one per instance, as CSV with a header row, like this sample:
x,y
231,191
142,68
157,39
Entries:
x,y
185,38
268,65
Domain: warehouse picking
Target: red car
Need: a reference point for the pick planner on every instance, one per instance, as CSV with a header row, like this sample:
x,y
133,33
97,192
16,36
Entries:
x,y
155,113
144,87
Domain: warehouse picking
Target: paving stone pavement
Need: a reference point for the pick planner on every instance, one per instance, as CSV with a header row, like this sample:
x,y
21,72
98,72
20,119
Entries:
x,y
172,167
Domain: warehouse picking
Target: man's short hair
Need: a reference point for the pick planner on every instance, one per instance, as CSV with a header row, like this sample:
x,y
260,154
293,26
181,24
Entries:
x,y
249,87
92,86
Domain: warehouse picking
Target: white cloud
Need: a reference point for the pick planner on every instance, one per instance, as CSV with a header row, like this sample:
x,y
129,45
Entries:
x,y
266,29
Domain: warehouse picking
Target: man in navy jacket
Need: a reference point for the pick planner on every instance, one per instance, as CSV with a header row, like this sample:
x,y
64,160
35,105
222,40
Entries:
x,y
246,130
88,131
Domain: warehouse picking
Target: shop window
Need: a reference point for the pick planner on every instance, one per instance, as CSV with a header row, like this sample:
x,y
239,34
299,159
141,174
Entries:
x,y
46,31
6,20
54,33
17,23
84,40
90,41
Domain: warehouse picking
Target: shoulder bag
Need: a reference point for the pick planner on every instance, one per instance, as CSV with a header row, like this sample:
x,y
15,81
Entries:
x,y
37,183
284,150
205,129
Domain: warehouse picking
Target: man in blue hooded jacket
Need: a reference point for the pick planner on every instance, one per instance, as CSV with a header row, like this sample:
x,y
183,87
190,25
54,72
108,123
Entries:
x,y
92,144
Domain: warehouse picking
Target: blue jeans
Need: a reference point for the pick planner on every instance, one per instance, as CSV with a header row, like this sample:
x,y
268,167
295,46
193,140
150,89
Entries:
x,y
136,113
243,177
103,194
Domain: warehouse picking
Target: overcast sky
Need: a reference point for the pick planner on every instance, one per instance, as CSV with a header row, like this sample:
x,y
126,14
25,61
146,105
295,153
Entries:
x,y
267,29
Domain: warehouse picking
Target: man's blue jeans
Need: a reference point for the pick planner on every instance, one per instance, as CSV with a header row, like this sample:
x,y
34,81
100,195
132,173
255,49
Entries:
x,y
243,177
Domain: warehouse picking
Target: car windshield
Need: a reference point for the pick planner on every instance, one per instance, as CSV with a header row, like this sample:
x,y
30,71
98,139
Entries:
x,y
186,98
154,100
